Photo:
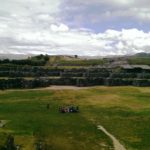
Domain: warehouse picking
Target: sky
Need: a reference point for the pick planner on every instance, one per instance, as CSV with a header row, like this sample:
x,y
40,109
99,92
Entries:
x,y
74,27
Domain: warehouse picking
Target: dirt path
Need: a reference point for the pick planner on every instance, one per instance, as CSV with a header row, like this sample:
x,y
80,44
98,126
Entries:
x,y
53,87
2,123
116,143
66,87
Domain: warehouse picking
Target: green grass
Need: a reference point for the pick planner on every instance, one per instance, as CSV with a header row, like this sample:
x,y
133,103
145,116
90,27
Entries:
x,y
123,111
90,62
139,61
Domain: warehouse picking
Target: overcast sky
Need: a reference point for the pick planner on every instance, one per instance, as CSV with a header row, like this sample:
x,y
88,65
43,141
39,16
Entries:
x,y
82,27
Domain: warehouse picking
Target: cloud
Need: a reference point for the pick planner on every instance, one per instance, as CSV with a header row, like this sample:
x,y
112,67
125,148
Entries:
x,y
60,28
59,39
73,27
106,14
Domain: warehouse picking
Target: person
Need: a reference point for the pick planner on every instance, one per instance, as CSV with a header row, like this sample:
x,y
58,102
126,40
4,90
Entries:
x,y
77,108
48,106
10,145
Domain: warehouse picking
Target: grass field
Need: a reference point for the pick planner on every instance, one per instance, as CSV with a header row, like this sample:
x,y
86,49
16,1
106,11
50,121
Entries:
x,y
139,61
123,111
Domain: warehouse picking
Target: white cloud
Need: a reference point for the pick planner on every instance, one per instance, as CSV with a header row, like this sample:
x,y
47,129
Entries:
x,y
60,28
36,26
25,7
58,39
82,12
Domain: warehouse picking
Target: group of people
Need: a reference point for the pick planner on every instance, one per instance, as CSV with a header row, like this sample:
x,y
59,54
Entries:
x,y
66,109
69,109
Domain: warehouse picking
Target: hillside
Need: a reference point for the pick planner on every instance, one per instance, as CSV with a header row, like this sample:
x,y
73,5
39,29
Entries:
x,y
113,93
44,70
140,59
77,61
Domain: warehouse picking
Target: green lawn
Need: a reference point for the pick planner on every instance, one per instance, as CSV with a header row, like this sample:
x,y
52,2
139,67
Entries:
x,y
123,111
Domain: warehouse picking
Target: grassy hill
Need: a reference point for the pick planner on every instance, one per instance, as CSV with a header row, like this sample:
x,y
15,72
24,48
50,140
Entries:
x,y
54,61
139,61
67,61
123,111
62,60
